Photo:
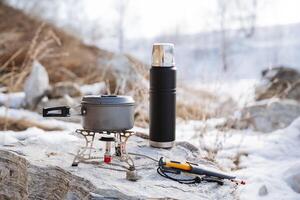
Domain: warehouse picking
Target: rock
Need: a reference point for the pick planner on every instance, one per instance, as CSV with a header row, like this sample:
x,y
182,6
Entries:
x,y
48,182
267,90
188,146
282,73
96,180
267,116
13,176
263,191
281,82
36,85
294,181
294,92
21,180
61,89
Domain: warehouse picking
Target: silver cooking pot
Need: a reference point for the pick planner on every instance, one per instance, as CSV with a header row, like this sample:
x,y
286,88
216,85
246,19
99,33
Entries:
x,y
100,113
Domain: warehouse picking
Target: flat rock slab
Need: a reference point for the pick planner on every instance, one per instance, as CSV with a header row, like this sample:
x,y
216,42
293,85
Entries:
x,y
45,172
27,181
280,82
267,116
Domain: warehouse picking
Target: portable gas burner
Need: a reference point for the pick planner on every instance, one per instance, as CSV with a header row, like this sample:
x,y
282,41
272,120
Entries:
x,y
116,139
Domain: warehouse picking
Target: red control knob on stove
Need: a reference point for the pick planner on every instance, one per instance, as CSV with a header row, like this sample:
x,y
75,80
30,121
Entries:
x,y
107,159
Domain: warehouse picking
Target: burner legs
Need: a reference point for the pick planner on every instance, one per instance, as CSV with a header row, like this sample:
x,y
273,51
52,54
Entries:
x,y
120,139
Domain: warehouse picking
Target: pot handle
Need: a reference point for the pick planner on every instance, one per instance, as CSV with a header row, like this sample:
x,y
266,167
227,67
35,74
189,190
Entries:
x,y
60,111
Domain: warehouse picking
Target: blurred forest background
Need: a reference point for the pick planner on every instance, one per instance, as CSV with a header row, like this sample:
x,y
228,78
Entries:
x,y
218,43
236,36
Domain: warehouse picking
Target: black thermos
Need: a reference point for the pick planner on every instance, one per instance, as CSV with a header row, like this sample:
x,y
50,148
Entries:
x,y
162,96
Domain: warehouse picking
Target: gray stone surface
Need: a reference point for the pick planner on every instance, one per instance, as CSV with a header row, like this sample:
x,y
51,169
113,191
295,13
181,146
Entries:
x,y
21,180
45,180
13,176
267,116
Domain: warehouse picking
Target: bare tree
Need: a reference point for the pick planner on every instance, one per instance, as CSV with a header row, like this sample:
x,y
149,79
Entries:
x,y
121,9
222,10
247,15
237,14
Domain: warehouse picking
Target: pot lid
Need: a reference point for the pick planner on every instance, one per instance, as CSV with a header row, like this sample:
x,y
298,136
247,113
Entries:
x,y
108,100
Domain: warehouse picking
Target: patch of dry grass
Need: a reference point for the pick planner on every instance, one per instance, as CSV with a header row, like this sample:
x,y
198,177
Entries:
x,y
7,123
199,104
40,47
193,104
64,56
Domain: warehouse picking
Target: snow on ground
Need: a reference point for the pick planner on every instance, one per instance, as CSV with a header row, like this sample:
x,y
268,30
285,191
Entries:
x,y
272,159
270,163
12,100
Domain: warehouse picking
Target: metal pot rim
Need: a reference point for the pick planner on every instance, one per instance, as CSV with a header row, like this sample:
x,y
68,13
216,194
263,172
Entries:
x,y
113,100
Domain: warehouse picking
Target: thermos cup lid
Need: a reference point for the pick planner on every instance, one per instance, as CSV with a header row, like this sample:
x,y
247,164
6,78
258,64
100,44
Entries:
x,y
163,55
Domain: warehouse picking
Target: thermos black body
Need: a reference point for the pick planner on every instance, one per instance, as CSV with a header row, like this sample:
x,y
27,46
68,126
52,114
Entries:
x,y
162,96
